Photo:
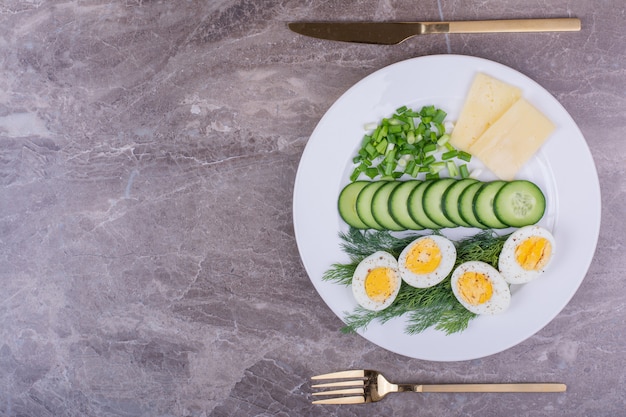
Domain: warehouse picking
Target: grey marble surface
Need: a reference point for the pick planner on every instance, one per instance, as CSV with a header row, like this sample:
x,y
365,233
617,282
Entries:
x,y
148,264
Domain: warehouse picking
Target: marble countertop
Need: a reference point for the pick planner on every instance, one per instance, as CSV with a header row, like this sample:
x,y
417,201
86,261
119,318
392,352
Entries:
x,y
148,264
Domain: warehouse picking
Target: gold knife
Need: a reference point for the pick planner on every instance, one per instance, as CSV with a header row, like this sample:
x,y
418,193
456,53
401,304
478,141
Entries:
x,y
391,33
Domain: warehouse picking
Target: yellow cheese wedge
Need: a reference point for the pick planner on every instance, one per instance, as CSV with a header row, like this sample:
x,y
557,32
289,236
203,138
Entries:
x,y
487,100
512,139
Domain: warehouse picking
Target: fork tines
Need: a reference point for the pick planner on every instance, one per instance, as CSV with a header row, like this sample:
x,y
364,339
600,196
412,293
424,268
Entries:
x,y
352,390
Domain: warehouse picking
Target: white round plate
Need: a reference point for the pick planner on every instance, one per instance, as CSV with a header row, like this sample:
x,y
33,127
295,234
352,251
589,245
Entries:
x,y
563,168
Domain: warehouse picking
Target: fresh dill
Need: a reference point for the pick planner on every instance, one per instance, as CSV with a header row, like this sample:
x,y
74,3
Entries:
x,y
424,308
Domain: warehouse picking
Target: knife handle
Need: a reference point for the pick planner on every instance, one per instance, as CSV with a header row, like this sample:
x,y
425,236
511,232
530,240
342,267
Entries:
x,y
515,25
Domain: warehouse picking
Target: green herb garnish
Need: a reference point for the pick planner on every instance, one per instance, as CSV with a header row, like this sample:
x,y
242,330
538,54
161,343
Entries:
x,y
407,143
434,307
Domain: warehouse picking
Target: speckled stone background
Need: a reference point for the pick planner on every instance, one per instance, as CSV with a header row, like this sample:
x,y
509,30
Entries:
x,y
148,265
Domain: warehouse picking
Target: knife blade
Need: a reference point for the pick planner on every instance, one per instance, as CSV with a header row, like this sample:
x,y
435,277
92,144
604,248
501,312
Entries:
x,y
391,33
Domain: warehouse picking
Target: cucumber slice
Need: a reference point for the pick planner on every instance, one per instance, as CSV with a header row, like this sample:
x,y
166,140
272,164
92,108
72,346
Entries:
x,y
520,203
347,204
380,206
399,205
466,205
416,206
433,202
451,200
364,204
483,204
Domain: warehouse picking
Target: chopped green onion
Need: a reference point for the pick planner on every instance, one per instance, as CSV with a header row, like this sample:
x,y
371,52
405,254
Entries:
x,y
452,169
428,160
410,137
436,166
439,116
449,155
371,172
464,171
381,147
465,156
443,139
401,110
408,142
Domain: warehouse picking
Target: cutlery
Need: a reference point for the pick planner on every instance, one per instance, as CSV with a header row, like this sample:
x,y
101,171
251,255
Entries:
x,y
360,386
390,33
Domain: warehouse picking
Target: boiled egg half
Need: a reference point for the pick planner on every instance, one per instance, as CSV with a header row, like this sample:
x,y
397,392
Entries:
x,y
480,288
526,254
427,261
376,281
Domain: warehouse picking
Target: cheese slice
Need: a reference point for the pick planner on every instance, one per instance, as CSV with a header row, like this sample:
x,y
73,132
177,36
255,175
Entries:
x,y
487,100
513,139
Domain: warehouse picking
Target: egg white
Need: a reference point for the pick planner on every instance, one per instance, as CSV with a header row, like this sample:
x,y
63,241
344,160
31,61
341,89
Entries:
x,y
510,269
501,296
448,258
378,259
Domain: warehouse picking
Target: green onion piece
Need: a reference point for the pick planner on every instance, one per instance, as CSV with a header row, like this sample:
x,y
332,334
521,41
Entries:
x,y
441,129
439,116
371,172
355,175
436,167
443,140
410,137
381,148
452,169
381,133
465,156
401,110
389,167
431,147
395,129
431,176
371,150
410,166
395,121
464,171
428,160
449,155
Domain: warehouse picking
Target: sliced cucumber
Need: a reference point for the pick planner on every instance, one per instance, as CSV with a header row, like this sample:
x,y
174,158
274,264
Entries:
x,y
466,205
483,204
364,204
399,205
451,201
433,202
347,204
380,206
416,206
520,203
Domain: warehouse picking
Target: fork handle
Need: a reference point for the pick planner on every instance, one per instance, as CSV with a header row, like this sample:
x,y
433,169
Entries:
x,y
486,388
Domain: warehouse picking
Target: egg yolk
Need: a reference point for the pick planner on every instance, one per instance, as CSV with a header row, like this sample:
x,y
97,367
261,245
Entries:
x,y
475,288
533,253
424,257
379,284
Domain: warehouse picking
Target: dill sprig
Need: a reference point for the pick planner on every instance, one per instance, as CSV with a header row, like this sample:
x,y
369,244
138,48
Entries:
x,y
435,306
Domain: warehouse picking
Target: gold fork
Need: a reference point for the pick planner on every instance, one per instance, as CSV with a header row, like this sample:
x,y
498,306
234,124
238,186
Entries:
x,y
365,386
